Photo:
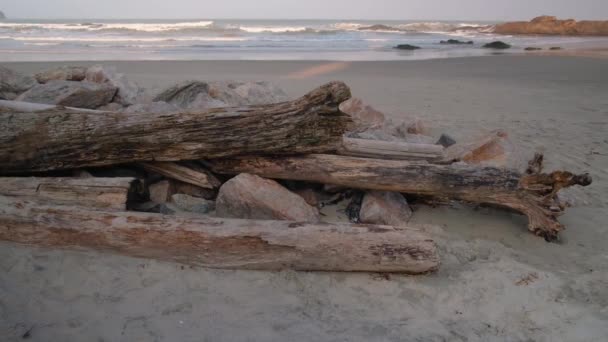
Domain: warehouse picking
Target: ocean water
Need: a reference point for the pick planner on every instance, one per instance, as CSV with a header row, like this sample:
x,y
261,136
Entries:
x,y
200,39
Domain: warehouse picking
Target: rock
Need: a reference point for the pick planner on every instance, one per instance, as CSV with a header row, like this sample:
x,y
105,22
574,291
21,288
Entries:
x,y
13,83
455,42
550,25
161,192
251,197
192,190
309,195
418,127
203,95
445,141
379,28
65,73
532,48
70,94
497,45
385,208
111,107
364,117
494,149
406,47
553,48
128,91
192,204
159,107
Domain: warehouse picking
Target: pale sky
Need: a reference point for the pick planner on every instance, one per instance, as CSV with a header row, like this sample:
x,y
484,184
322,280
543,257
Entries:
x,y
307,9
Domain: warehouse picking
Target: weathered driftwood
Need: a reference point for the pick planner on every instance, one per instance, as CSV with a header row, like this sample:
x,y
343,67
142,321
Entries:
x,y
103,193
58,139
221,243
190,174
389,149
533,193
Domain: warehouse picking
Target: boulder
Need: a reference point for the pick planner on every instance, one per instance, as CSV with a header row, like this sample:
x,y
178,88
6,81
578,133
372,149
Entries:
x,y
456,42
497,45
13,83
202,95
406,47
65,73
385,208
128,91
364,116
192,204
70,94
251,197
550,25
159,107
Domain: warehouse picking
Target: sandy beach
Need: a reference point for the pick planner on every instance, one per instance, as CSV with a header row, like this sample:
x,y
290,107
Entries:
x,y
497,282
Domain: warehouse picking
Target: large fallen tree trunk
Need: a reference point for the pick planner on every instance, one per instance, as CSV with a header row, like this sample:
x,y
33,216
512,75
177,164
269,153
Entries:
x,y
103,193
390,150
533,193
221,243
57,139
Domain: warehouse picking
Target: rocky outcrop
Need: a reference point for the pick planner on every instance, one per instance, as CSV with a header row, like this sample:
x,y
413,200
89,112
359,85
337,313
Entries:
x,y
70,94
128,93
364,116
65,73
251,197
385,207
497,45
203,95
13,83
456,42
549,25
406,47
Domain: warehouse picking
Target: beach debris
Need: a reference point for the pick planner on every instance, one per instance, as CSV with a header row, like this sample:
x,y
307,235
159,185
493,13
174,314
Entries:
x,y
202,95
364,116
13,83
385,208
64,73
456,42
497,45
253,197
70,94
406,47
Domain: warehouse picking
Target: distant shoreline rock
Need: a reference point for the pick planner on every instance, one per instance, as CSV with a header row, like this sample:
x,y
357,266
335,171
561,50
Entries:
x,y
550,25
455,42
497,45
406,47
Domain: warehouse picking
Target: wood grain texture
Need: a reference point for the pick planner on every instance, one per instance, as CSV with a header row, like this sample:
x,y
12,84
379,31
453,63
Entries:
x,y
220,243
389,150
42,141
533,194
104,193
190,174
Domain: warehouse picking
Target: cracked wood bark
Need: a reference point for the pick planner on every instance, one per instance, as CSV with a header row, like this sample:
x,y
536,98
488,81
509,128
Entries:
x,y
58,139
221,243
104,193
190,174
532,193
389,150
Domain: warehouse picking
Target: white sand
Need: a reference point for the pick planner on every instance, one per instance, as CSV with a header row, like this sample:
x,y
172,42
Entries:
x,y
497,282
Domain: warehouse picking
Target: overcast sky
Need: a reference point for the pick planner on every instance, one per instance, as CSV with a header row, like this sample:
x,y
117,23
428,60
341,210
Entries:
x,y
308,9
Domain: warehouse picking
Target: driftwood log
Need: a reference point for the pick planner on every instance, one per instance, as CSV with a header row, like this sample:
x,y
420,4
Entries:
x,y
102,193
532,193
390,150
190,174
220,243
61,139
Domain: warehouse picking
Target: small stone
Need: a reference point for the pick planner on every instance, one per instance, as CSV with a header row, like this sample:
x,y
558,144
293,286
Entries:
x,y
192,204
418,127
161,192
385,208
445,141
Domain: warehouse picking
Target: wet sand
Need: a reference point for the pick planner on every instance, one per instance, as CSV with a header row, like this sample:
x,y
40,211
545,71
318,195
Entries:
x,y
497,281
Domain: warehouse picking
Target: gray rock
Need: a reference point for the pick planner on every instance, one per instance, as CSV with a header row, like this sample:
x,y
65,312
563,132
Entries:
x,y
70,94
128,93
406,47
152,107
386,208
251,197
202,95
161,192
364,116
65,73
192,204
445,141
497,45
13,83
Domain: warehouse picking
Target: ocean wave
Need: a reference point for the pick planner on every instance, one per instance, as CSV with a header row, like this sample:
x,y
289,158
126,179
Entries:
x,y
95,27
120,39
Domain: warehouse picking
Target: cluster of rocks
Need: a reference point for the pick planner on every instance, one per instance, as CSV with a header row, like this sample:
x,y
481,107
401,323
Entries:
x,y
550,25
103,88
